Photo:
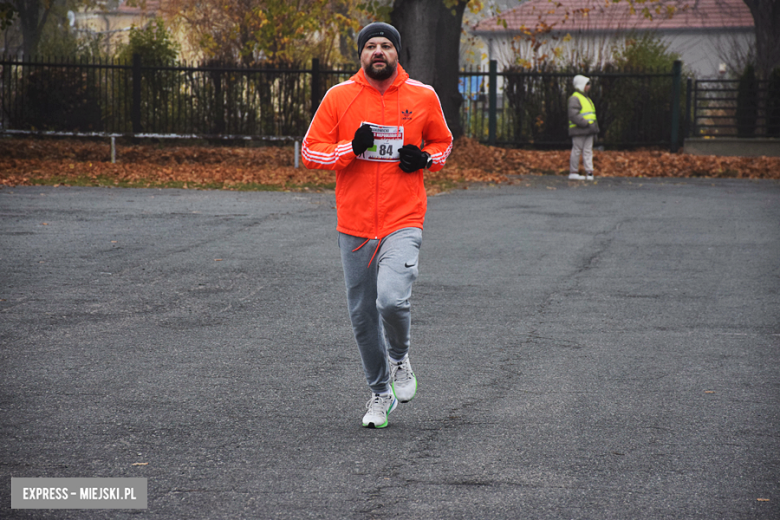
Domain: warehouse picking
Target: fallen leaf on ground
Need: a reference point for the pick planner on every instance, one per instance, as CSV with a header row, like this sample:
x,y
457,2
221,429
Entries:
x,y
26,161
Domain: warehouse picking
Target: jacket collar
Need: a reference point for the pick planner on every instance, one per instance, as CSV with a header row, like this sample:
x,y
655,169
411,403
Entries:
x,y
360,77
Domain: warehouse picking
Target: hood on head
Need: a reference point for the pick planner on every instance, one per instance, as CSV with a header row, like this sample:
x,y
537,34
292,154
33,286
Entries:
x,y
580,82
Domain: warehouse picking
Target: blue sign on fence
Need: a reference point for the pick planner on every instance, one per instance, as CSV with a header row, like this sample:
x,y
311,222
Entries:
x,y
470,87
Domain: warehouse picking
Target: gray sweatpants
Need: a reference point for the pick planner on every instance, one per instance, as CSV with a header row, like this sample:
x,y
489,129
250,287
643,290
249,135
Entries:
x,y
581,144
378,298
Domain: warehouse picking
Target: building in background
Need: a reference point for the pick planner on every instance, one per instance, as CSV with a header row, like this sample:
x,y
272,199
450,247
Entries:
x,y
712,37
112,20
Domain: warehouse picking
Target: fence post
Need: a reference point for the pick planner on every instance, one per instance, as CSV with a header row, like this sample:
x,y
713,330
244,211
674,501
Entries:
x,y
219,102
315,85
676,84
492,101
135,114
694,126
687,122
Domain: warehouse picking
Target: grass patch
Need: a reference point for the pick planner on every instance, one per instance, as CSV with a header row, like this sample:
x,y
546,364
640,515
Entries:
x,y
447,184
312,186
105,181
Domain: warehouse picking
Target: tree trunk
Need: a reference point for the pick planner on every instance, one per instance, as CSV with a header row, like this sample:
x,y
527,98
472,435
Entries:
x,y
32,21
430,49
766,16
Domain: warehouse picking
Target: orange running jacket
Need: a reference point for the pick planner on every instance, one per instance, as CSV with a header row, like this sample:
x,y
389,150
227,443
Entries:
x,y
374,199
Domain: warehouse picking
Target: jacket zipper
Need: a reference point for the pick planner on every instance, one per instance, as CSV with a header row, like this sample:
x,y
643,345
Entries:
x,y
376,204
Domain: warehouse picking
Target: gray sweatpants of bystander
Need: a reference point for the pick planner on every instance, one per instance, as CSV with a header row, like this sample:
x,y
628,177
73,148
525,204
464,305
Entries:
x,y
581,145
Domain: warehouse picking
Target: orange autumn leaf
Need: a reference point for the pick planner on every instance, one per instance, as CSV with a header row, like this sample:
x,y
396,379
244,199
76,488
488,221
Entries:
x,y
23,161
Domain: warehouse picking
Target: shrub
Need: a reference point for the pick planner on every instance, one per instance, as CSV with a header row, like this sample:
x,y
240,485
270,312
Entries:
x,y
56,98
155,46
153,43
747,103
637,109
773,105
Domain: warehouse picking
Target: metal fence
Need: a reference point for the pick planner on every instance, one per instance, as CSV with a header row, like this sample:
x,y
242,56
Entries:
x,y
633,109
226,102
136,99
720,108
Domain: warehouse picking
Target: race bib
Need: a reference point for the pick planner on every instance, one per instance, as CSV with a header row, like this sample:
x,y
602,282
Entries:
x,y
387,141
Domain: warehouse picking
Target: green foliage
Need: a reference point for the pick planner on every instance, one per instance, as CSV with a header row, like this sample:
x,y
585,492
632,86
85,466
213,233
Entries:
x,y
644,52
747,103
8,12
287,33
155,46
153,43
637,106
377,9
66,43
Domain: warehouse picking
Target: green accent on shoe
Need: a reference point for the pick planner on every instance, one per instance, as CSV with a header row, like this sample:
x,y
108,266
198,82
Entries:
x,y
376,426
392,407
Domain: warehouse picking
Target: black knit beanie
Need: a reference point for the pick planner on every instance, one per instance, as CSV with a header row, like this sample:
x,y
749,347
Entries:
x,y
379,29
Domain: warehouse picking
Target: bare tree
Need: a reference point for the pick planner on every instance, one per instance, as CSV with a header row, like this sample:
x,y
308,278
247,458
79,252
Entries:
x,y
29,18
766,16
32,17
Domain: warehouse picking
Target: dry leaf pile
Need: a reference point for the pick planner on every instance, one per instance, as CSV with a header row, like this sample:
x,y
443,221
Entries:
x,y
30,161
44,161
470,157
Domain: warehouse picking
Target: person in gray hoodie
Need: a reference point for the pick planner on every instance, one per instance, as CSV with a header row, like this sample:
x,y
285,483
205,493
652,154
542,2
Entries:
x,y
583,128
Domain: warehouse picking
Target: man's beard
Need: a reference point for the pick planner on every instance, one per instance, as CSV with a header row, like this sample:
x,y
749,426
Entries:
x,y
381,74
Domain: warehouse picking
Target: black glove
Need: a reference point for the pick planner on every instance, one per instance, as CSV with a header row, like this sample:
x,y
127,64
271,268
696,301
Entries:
x,y
364,139
412,158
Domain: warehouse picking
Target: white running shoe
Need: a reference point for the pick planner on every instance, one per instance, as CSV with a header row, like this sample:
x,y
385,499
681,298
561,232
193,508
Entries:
x,y
403,379
589,176
576,177
378,409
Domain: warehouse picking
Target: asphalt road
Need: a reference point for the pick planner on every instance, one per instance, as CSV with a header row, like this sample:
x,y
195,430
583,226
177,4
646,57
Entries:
x,y
607,350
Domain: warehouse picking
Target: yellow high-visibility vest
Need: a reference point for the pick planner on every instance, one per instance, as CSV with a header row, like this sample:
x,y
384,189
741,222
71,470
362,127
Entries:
x,y
587,110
